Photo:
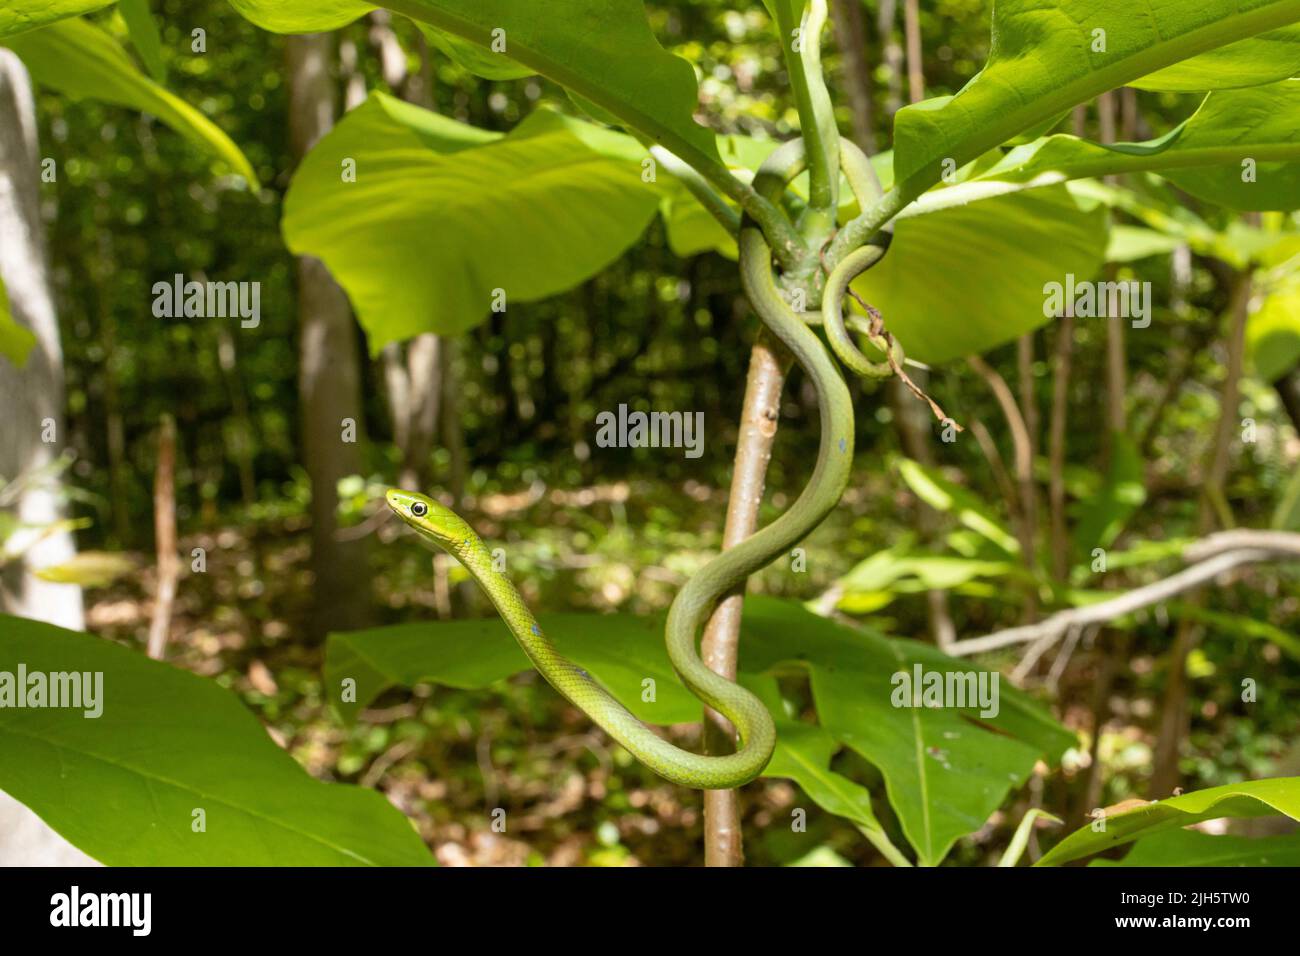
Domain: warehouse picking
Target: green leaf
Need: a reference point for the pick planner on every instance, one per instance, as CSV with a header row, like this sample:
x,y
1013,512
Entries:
x,y
1266,58
89,569
1099,520
19,16
16,341
1203,155
1226,623
1016,848
80,59
945,772
620,650
961,281
602,50
301,16
1287,515
1273,330
475,59
943,495
442,214
803,754
124,786
1044,60
143,29
1190,848
1131,243
1255,798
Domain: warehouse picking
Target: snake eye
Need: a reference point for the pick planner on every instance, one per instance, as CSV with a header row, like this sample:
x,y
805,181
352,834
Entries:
x,y
419,509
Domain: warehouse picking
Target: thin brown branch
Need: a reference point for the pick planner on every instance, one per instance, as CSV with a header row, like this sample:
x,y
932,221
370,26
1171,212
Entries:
x,y
1056,449
768,364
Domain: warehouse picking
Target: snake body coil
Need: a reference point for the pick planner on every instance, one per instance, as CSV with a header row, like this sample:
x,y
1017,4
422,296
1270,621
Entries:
x,y
697,599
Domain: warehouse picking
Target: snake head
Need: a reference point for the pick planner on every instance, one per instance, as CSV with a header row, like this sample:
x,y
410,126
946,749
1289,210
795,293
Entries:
x,y
428,517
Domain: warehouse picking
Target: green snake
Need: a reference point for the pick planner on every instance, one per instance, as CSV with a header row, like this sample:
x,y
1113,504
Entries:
x,y
690,610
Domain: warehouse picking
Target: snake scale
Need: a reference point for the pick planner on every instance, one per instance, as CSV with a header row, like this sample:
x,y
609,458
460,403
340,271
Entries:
x,y
690,610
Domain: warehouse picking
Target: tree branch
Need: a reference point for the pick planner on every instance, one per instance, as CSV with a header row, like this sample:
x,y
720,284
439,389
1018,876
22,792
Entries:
x,y
1208,558
768,364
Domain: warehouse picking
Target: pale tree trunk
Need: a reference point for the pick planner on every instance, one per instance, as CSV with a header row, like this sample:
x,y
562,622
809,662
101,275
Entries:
x,y
29,397
33,434
768,364
329,369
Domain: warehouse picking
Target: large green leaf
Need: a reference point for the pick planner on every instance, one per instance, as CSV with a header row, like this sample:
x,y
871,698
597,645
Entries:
x,y
1203,155
1190,848
15,341
474,58
1271,56
1100,519
1045,59
80,59
945,772
943,495
964,280
1273,330
803,754
145,37
19,16
1256,798
124,786
620,649
441,214
601,50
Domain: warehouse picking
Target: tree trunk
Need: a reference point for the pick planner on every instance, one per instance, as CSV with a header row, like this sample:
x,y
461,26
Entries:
x,y
31,396
768,364
34,434
329,370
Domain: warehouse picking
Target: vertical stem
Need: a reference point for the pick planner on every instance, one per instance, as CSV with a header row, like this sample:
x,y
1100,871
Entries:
x,y
1028,487
768,365
813,101
1056,449
1022,443
164,523
915,66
